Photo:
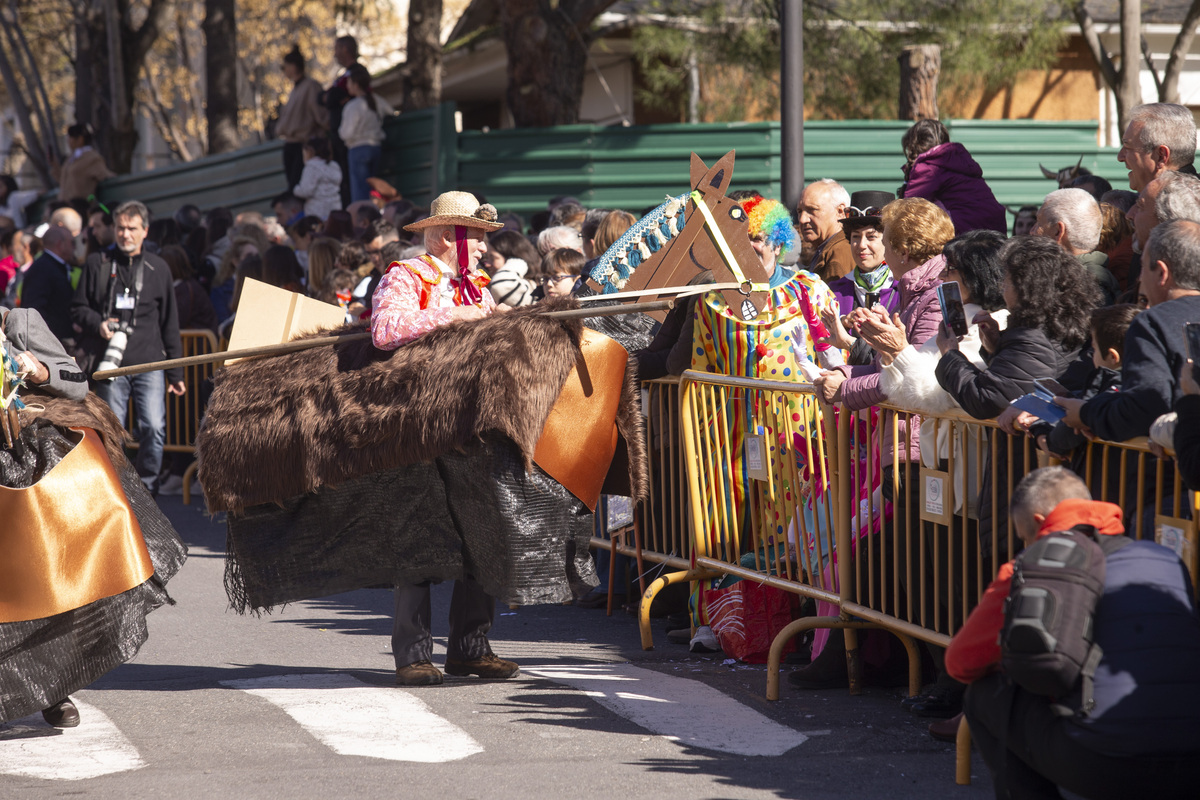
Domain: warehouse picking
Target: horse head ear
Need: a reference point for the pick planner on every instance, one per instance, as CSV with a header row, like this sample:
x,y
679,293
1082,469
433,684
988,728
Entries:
x,y
699,168
715,179
1051,175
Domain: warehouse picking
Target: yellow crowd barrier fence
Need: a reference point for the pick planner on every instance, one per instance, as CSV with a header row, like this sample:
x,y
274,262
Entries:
x,y
184,411
896,519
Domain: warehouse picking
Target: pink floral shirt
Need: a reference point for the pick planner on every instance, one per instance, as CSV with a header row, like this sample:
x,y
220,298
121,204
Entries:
x,y
414,297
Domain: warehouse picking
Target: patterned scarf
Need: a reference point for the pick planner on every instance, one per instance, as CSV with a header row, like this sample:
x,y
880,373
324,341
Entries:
x,y
873,282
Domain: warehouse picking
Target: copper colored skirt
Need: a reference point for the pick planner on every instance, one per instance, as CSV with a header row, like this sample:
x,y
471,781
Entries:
x,y
112,565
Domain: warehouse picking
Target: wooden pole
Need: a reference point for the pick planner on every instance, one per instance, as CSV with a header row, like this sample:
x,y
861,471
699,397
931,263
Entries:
x,y
308,344
920,65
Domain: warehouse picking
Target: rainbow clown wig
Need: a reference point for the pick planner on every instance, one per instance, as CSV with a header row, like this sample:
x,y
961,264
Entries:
x,y
769,219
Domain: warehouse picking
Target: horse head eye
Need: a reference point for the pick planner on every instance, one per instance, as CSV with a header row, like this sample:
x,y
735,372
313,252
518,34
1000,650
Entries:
x,y
736,212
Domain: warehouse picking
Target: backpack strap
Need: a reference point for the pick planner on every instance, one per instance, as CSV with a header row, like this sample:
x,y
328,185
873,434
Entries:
x,y
1088,674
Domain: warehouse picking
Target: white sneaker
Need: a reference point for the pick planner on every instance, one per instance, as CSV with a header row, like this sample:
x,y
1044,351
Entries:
x,y
705,641
173,485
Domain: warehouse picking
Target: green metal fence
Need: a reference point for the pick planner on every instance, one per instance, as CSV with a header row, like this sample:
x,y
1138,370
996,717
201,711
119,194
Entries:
x,y
244,180
631,167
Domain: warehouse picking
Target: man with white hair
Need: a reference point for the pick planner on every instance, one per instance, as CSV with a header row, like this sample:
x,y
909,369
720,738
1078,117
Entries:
x,y
1159,137
1172,195
414,297
1072,218
822,207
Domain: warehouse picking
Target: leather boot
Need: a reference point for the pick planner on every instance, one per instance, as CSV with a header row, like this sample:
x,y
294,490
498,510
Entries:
x,y
62,714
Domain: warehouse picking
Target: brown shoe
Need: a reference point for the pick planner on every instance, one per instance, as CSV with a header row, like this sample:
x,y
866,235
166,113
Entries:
x,y
62,714
946,730
490,667
419,673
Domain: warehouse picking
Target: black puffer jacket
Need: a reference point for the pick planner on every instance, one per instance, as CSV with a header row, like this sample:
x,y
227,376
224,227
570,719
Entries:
x,y
1022,355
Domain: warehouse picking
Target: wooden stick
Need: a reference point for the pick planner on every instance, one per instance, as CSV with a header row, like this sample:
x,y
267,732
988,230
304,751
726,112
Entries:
x,y
678,291
321,341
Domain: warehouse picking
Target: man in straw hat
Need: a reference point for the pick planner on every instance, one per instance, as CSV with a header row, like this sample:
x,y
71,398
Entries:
x,y
414,297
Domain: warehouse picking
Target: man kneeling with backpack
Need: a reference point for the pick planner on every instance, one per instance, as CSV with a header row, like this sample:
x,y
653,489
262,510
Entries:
x,y
1083,656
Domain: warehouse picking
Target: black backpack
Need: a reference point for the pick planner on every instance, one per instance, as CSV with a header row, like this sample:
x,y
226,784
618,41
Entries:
x,y
1046,643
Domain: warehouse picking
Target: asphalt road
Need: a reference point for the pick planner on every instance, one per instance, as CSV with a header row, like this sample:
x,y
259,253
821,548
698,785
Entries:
x,y
301,704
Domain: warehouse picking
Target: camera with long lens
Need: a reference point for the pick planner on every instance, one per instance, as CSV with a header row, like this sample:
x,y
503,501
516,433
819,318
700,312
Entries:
x,y
114,354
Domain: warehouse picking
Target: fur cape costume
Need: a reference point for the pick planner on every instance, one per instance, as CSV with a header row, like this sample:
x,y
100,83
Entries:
x,y
44,660
343,467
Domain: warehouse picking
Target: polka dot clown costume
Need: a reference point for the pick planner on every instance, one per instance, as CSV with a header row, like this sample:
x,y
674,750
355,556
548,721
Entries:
x,y
778,345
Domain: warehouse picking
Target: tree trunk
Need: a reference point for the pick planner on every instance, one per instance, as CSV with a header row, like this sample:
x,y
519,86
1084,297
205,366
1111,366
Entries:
x,y
547,56
92,89
920,66
423,78
220,73
1179,51
1129,89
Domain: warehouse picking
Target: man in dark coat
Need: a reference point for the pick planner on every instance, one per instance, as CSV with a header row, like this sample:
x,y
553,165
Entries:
x,y
1155,347
47,288
130,291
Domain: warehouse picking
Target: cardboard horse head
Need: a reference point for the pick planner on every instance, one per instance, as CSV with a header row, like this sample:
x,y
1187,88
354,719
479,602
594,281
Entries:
x,y
680,239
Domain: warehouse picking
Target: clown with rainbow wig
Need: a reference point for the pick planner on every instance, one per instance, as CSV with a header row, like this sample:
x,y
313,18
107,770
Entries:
x,y
783,343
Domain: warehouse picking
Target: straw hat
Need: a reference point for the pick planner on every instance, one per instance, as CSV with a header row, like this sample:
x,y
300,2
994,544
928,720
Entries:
x,y
458,208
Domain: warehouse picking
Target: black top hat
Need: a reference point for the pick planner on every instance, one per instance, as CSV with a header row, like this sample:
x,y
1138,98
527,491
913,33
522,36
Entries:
x,y
864,210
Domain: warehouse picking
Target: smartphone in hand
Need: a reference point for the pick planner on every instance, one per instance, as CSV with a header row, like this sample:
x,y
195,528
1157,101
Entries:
x,y
953,314
1051,388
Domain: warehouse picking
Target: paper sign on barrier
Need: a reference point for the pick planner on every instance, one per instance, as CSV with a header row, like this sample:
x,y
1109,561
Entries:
x,y
1178,535
937,505
756,457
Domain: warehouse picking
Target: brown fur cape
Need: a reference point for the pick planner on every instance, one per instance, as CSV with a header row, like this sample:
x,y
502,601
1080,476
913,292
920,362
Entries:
x,y
92,413
281,427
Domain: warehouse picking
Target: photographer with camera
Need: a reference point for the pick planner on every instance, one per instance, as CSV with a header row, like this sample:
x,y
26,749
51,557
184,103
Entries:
x,y
125,304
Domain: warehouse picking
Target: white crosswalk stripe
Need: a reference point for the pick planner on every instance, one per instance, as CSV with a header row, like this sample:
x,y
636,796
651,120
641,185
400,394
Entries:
x,y
32,749
332,707
679,709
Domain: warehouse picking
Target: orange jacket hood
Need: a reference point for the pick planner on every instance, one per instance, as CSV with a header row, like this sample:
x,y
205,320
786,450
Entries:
x,y
1104,517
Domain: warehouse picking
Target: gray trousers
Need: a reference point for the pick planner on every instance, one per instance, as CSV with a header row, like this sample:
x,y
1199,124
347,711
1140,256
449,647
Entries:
x,y
472,611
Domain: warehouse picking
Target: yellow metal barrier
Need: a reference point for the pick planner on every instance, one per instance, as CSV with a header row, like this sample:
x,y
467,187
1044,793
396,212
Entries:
x,y
923,516
770,482
184,412
660,529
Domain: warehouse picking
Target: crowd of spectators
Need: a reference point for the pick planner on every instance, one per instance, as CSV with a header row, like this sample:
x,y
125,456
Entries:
x,y
1093,289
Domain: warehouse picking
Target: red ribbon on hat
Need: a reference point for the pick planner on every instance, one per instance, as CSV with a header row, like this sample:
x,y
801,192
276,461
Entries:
x,y
470,293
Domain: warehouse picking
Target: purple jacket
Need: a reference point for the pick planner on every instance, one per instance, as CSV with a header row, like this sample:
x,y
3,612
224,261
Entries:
x,y
949,177
843,289
921,315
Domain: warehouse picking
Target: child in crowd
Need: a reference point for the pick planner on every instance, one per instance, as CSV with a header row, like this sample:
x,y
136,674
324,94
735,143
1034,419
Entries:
x,y
320,183
561,270
1108,327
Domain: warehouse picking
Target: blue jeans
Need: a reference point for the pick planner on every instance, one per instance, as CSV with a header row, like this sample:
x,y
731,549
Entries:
x,y
149,392
364,163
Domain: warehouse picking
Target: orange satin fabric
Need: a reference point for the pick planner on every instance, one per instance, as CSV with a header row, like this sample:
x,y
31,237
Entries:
x,y
580,435
70,539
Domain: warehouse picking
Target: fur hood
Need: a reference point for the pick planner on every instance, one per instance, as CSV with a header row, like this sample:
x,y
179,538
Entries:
x,y
281,427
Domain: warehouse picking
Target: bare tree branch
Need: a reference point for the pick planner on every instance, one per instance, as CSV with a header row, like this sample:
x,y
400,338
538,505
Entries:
x,y
1104,61
1169,92
34,145
45,108
1149,59
162,117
